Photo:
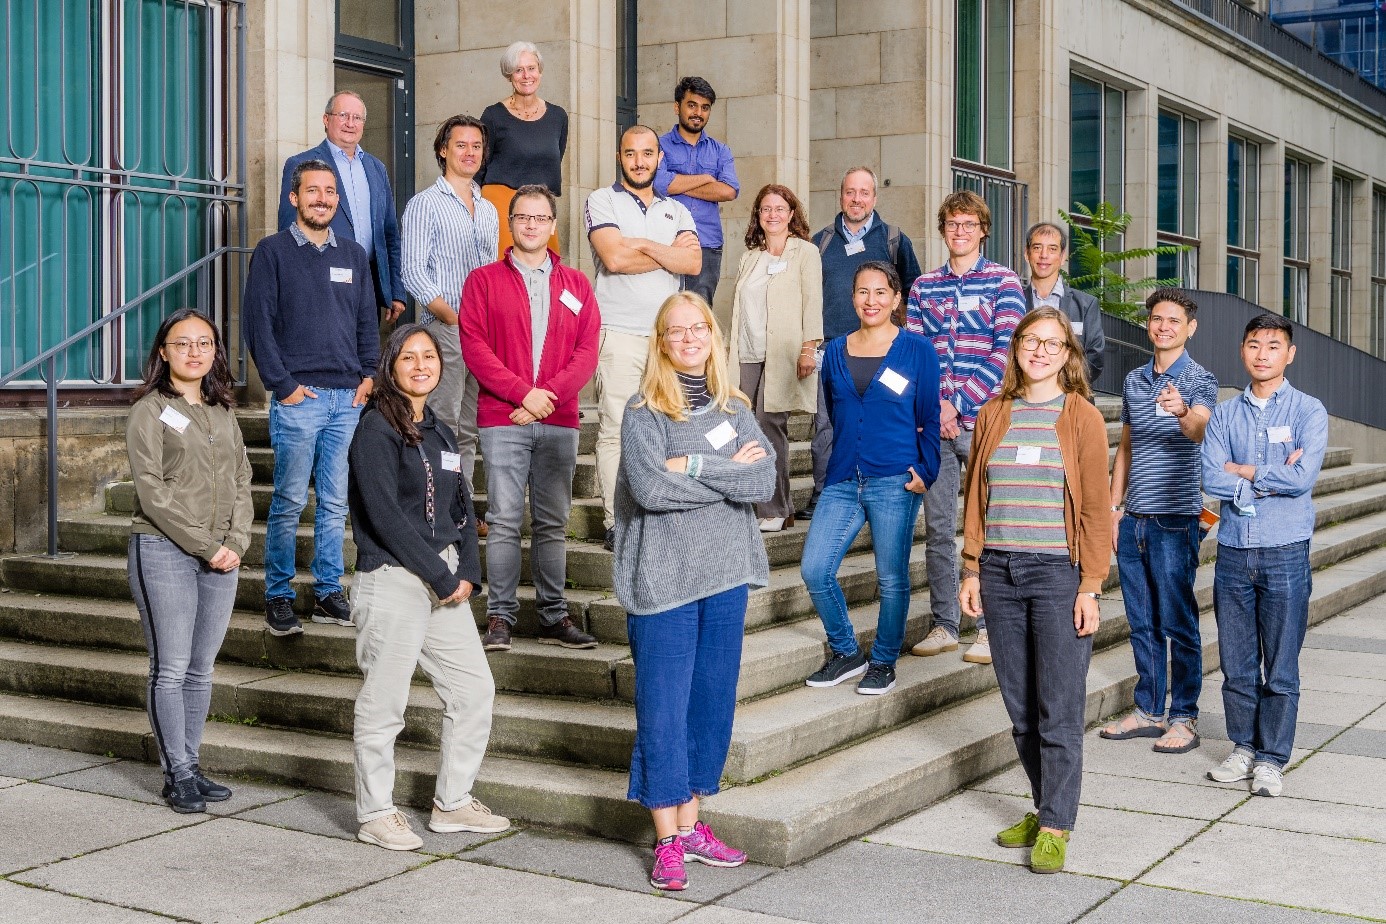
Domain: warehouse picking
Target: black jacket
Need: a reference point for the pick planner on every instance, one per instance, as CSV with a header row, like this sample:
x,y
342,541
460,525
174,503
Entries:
x,y
1083,309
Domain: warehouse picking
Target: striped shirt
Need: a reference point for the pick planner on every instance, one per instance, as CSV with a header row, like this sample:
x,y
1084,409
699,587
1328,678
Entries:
x,y
970,319
1165,464
1025,483
443,242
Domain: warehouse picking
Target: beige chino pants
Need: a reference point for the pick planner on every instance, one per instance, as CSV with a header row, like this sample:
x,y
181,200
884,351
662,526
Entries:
x,y
620,367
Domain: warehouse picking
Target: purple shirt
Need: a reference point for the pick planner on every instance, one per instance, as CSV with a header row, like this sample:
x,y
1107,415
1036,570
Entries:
x,y
708,156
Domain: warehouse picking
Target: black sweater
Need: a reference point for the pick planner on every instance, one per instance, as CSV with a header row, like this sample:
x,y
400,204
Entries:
x,y
387,494
520,152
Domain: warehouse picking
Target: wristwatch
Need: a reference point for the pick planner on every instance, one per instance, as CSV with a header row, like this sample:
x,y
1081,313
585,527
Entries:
x,y
1089,593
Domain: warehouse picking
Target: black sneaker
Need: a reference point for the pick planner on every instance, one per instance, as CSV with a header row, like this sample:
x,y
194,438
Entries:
x,y
497,637
280,618
209,790
609,543
807,512
880,678
566,634
837,668
333,608
182,796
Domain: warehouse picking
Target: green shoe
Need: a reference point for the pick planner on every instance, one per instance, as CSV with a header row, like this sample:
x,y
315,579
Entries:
x,y
1047,856
1020,834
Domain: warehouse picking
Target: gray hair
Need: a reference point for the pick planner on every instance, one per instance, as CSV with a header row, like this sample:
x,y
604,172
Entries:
x,y
328,110
1046,226
510,58
875,180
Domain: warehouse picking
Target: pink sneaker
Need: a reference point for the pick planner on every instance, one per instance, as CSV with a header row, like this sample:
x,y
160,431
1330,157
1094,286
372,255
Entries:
x,y
668,873
702,846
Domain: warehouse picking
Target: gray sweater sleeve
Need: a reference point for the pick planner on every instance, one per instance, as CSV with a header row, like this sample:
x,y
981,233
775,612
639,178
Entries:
x,y
643,454
740,481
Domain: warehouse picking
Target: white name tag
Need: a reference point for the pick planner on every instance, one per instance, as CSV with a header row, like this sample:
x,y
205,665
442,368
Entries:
x,y
174,419
1078,328
855,247
1027,455
341,274
573,303
721,435
452,461
894,381
969,303
774,269
1278,434
1161,412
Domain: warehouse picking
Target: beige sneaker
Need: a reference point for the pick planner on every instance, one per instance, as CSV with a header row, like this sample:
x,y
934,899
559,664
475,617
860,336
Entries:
x,y
980,652
391,832
472,816
937,641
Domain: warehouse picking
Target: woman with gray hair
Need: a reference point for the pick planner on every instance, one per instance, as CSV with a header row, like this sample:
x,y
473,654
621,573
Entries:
x,y
527,138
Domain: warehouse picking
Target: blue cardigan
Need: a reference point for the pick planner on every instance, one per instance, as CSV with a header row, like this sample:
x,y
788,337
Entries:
x,y
882,433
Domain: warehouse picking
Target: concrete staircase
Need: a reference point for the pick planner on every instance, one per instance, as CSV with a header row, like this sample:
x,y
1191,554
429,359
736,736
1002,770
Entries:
x,y
807,769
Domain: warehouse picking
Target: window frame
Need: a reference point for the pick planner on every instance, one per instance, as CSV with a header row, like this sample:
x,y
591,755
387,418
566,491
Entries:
x,y
1243,207
1184,264
990,94
1340,260
1376,344
1295,221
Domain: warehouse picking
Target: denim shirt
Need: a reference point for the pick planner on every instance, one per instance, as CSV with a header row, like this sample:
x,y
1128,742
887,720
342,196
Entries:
x,y
1276,507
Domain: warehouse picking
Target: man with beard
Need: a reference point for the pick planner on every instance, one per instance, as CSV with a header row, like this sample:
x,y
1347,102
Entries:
x,y
698,170
309,319
642,243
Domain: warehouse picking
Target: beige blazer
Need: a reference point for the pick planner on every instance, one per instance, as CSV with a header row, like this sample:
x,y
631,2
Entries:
x,y
795,300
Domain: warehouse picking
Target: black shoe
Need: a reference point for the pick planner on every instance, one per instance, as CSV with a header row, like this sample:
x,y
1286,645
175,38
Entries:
x,y
566,634
807,512
838,668
209,790
497,637
280,618
609,543
333,608
182,796
880,678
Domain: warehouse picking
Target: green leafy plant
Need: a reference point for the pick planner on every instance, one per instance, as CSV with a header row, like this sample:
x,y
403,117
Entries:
x,y
1100,270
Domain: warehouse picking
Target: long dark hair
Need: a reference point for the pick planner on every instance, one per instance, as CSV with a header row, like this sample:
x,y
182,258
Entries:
x,y
216,384
798,223
393,404
892,277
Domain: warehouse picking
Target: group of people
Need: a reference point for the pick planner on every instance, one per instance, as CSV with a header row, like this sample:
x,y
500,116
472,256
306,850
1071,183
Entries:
x,y
906,372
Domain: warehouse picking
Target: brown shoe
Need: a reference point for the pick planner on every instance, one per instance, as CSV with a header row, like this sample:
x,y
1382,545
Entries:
x,y
497,637
482,529
566,634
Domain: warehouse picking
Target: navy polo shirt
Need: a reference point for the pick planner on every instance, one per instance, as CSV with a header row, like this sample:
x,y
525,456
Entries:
x,y
1166,467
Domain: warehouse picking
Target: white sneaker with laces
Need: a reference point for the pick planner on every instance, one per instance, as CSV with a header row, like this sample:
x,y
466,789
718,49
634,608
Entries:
x,y
980,652
391,832
1234,769
937,641
471,816
1266,780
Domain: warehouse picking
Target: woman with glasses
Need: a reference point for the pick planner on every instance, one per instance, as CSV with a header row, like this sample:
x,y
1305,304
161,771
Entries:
x,y
527,137
190,528
776,325
881,385
1037,545
688,551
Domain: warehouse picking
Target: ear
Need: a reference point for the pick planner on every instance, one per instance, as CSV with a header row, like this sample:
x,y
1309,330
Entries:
x,y
1290,356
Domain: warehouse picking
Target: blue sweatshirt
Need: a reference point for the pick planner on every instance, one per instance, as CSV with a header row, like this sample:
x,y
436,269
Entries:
x,y
839,317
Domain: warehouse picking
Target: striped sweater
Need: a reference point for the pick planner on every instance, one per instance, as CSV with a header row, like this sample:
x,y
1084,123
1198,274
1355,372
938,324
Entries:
x,y
1025,483
970,319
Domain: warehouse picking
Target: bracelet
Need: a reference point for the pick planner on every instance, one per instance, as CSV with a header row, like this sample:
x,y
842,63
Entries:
x,y
1183,415
1116,508
971,573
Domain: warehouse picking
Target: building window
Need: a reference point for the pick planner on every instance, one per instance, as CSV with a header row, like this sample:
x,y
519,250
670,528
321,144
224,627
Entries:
x,y
1097,116
1340,261
1176,213
375,57
1296,288
627,58
1378,326
1243,215
982,134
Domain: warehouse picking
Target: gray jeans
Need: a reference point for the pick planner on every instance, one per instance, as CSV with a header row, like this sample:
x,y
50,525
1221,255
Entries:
x,y
941,530
543,458
705,283
822,445
184,608
454,400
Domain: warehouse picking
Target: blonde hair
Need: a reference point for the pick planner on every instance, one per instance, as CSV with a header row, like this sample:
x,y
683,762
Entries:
x,y
660,389
1073,377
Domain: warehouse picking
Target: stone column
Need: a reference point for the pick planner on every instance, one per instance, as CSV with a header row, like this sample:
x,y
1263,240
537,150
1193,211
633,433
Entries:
x,y
1142,170
1361,262
1041,122
1272,275
1212,204
1320,245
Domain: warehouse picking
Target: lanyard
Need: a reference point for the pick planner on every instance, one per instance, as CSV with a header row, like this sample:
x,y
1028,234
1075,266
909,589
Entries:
x,y
430,511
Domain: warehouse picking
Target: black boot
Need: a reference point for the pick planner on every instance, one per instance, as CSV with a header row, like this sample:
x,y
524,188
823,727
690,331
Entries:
x,y
182,796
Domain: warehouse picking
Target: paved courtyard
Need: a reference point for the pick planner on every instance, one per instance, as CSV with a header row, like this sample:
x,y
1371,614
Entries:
x,y
88,842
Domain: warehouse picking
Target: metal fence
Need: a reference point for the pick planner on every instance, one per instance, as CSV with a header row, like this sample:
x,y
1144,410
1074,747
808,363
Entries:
x,y
1009,202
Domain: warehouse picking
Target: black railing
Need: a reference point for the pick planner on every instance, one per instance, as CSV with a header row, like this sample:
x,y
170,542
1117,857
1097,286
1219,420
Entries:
x,y
1009,202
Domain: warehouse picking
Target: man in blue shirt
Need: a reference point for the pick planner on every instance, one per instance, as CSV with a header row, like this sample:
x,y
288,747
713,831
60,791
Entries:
x,y
698,171
1261,456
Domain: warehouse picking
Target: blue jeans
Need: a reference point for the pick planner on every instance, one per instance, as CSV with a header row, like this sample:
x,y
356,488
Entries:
x,y
843,508
687,661
1157,557
1261,598
310,438
184,608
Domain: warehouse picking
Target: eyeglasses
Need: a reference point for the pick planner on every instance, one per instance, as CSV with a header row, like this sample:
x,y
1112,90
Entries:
x,y
700,331
183,346
774,210
961,225
1030,343
531,219
349,118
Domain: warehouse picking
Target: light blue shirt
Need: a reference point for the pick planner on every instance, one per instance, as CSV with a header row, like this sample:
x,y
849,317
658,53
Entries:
x,y
443,241
1276,507
1053,300
358,196
854,236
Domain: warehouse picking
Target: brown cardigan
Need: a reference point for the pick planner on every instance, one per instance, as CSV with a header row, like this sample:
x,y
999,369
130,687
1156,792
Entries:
x,y
1087,520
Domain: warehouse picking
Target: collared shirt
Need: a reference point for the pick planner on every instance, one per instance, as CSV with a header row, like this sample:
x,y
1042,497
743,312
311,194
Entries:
x,y
630,301
1165,464
708,156
358,196
537,287
854,236
1053,300
300,238
1276,507
970,319
443,242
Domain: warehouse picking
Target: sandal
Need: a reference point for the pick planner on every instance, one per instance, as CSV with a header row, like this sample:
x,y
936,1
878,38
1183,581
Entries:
x,y
1134,725
1180,739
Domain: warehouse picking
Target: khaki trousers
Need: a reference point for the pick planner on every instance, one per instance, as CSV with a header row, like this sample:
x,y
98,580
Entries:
x,y
620,367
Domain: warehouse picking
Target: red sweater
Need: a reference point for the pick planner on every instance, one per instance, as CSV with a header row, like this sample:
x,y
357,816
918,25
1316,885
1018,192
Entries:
x,y
498,347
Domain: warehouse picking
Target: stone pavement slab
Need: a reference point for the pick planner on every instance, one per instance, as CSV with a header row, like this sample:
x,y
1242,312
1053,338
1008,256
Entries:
x,y
9,781
472,893
1309,870
894,885
1309,817
223,871
1339,683
1138,904
1375,721
37,906
1158,798
1212,727
1128,759
145,782
1364,742
33,761
1316,661
1335,642
1316,707
1344,778
58,823
715,914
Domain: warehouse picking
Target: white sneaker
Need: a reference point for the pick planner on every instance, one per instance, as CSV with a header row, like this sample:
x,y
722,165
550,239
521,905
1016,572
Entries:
x,y
473,816
980,652
391,832
1266,780
937,641
1234,769
771,524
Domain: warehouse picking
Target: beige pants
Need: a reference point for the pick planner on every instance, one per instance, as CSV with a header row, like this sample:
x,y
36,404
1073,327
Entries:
x,y
399,624
620,367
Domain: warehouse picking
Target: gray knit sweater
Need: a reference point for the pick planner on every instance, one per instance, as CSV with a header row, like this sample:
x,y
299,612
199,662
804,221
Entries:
x,y
681,537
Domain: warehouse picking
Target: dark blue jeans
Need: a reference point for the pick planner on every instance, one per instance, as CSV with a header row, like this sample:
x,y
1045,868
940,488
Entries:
x,y
1261,598
1157,557
1042,669
687,661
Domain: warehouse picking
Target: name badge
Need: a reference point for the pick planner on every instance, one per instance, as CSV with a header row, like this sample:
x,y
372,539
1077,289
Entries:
x,y
969,303
1278,434
1161,412
452,461
573,303
341,274
894,381
1027,455
1077,328
855,247
174,419
721,435
774,269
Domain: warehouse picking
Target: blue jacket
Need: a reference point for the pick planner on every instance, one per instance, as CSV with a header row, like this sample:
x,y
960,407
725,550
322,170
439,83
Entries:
x,y
385,261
